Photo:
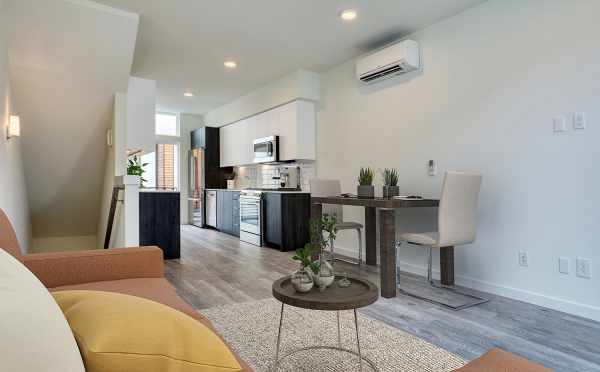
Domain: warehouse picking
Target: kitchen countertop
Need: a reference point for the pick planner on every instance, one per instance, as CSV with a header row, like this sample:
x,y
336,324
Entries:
x,y
158,190
273,191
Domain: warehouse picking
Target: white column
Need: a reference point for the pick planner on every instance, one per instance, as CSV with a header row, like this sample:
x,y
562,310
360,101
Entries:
x,y
130,221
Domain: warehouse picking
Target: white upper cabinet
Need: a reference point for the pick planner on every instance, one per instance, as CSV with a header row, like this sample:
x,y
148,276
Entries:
x,y
294,123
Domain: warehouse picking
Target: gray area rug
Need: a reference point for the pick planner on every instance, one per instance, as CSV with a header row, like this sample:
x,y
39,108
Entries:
x,y
251,330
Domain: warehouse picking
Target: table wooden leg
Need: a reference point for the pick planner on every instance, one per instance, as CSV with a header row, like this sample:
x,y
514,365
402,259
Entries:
x,y
387,248
447,265
371,236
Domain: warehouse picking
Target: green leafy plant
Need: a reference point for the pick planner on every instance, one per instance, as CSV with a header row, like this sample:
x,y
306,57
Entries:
x,y
136,168
365,177
304,255
390,177
318,242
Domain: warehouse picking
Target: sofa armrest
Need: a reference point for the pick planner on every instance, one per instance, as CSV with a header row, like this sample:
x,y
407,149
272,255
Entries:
x,y
66,268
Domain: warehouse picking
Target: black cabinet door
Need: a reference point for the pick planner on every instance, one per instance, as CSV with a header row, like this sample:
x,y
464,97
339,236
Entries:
x,y
225,211
295,210
160,222
273,218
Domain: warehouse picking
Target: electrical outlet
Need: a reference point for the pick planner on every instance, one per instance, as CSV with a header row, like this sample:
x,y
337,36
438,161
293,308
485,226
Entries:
x,y
563,265
584,268
560,124
523,259
579,120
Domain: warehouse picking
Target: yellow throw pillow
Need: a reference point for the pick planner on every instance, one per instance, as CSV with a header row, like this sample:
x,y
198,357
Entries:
x,y
121,333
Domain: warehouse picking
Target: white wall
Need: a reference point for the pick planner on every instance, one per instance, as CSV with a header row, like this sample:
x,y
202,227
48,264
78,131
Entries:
x,y
141,115
493,79
13,196
64,243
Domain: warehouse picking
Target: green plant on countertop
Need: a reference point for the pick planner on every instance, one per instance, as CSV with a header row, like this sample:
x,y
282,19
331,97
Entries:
x,y
390,177
365,177
318,242
136,168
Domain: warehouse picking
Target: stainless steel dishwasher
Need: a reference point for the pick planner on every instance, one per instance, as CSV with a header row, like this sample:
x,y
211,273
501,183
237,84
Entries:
x,y
211,208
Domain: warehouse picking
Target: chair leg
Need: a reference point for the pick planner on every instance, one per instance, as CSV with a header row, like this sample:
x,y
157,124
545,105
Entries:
x,y
398,246
431,282
430,266
359,247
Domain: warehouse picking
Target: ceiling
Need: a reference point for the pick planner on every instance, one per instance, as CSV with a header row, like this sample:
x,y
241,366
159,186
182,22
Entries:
x,y
183,43
67,59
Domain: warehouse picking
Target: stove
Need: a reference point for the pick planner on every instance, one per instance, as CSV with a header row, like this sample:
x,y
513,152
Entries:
x,y
251,217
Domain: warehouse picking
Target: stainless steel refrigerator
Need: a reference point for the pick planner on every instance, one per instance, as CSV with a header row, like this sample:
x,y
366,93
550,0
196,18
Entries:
x,y
196,184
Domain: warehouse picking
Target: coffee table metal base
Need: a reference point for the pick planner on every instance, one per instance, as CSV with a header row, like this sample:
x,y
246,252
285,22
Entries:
x,y
361,358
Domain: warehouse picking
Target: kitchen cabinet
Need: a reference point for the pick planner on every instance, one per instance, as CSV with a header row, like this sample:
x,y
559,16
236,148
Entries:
x,y
228,212
160,222
286,221
294,123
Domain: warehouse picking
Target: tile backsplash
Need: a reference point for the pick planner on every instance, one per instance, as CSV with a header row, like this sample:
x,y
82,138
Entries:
x,y
262,175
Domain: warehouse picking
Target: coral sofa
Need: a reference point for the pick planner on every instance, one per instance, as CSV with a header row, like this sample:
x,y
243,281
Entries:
x,y
133,271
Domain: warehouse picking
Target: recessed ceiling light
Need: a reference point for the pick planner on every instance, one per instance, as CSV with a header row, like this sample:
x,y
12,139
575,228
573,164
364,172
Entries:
x,y
188,94
230,64
348,15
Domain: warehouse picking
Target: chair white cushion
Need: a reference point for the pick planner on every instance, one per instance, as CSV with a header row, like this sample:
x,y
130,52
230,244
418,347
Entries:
x,y
427,238
346,225
34,334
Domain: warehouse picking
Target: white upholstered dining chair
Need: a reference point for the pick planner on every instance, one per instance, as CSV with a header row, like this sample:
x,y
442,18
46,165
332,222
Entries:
x,y
457,224
324,187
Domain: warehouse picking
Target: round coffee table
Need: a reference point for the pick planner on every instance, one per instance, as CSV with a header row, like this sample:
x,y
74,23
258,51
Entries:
x,y
359,294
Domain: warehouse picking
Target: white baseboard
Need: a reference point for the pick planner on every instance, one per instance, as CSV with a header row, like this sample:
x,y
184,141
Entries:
x,y
555,303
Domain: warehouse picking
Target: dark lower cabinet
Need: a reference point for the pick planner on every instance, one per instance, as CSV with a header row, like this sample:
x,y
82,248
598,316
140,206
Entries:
x,y
228,212
286,221
160,222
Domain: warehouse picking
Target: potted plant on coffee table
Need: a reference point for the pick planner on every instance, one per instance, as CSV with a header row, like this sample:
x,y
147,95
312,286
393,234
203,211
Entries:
x,y
365,188
390,183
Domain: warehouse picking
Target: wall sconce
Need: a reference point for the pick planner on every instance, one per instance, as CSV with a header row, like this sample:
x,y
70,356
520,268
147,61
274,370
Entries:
x,y
14,127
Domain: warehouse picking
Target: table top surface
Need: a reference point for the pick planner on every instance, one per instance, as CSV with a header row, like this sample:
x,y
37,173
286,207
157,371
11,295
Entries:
x,y
360,294
378,202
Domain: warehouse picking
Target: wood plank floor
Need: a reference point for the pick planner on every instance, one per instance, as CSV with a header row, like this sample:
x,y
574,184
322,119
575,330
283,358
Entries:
x,y
216,269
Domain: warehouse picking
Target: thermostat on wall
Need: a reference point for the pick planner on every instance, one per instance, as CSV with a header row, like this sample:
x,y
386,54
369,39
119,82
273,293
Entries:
x,y
432,167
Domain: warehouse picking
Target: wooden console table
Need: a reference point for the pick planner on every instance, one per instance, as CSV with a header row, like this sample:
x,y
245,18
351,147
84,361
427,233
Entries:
x,y
387,239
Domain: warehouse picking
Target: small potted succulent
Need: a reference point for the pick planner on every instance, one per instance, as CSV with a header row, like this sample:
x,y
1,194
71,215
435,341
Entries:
x,y
365,187
390,183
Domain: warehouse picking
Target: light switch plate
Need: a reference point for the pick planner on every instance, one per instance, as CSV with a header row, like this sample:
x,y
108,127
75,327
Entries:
x,y
583,267
431,168
523,259
579,120
563,265
560,124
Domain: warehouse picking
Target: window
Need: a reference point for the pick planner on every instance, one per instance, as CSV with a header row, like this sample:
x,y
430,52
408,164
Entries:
x,y
167,166
167,124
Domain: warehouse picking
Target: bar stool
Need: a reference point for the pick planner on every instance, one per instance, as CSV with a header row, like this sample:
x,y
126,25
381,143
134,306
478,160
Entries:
x,y
457,223
324,187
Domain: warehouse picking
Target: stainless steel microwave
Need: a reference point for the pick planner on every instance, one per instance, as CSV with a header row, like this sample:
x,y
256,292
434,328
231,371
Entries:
x,y
266,150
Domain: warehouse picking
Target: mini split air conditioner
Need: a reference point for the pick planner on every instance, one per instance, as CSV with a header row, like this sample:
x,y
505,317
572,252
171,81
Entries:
x,y
394,60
